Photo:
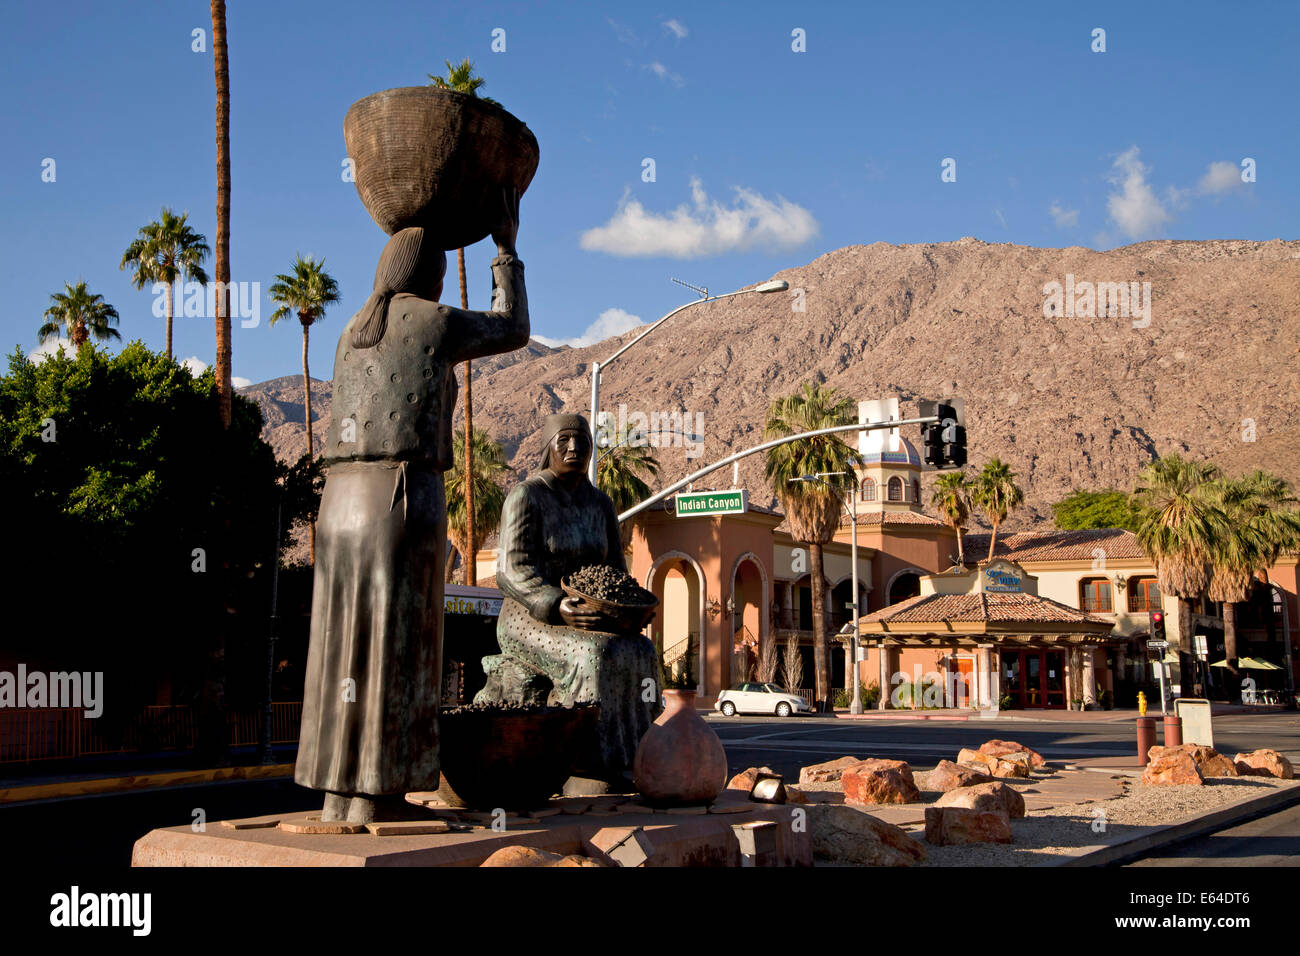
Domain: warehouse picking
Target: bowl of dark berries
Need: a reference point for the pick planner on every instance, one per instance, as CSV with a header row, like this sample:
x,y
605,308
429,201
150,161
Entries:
x,y
614,593
512,756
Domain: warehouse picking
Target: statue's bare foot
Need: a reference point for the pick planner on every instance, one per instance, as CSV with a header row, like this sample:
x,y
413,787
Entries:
x,y
335,809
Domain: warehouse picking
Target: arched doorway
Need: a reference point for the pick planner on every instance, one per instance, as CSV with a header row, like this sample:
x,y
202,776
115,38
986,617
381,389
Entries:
x,y
750,597
679,627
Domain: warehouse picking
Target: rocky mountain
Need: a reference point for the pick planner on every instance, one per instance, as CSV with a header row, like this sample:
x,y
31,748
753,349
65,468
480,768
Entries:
x,y
1069,395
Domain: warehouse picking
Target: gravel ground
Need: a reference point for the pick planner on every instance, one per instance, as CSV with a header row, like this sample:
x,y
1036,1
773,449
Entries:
x,y
1046,833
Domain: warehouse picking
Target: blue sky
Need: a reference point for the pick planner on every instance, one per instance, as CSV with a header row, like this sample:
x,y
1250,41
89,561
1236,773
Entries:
x,y
764,158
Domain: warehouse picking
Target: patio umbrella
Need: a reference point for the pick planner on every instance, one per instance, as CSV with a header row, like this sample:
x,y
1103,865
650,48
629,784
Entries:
x,y
1252,664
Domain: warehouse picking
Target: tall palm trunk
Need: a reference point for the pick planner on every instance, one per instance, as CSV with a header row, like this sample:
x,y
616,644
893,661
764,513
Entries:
x,y
221,67
821,653
1230,635
169,320
993,539
961,553
471,557
306,391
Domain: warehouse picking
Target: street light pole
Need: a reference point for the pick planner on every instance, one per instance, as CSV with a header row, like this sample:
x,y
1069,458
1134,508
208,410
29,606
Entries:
x,y
776,285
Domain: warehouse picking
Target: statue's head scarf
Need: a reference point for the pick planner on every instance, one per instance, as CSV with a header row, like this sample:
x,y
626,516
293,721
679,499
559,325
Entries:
x,y
553,426
407,264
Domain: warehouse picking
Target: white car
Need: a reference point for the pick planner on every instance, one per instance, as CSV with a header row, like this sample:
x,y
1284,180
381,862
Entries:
x,y
755,698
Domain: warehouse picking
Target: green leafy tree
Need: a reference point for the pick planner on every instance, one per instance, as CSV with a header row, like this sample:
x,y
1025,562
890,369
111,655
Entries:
x,y
811,507
487,494
1260,523
1095,509
1180,527
305,293
80,315
996,493
165,250
462,79
619,472
952,494
160,550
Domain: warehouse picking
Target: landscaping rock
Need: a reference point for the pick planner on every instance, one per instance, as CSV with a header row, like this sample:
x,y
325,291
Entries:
x,y
530,856
997,748
1264,763
986,796
745,779
879,781
1174,766
1011,765
828,771
953,826
846,835
1209,761
794,795
972,758
949,776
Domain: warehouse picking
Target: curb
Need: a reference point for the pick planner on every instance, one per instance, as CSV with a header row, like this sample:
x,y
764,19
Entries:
x,y
1156,837
102,785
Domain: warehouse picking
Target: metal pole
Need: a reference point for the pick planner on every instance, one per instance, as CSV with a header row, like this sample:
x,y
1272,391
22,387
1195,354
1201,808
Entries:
x,y
722,463
856,706
595,410
265,752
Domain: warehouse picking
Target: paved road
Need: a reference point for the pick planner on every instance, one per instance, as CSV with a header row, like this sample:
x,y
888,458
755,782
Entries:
x,y
786,745
99,831
1273,840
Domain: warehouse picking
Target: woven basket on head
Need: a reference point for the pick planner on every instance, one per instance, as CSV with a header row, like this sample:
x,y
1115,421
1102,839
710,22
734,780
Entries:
x,y
438,159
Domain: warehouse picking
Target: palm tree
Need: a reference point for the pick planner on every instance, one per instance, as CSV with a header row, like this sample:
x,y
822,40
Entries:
x,y
1260,524
80,314
221,70
487,495
618,474
1180,526
462,79
952,498
995,492
307,293
166,250
812,508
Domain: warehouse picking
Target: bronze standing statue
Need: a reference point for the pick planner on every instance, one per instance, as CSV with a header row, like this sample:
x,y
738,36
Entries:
x,y
374,666
552,524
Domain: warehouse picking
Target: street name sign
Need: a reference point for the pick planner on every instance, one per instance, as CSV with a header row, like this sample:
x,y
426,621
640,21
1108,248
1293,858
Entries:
x,y
1158,645
692,504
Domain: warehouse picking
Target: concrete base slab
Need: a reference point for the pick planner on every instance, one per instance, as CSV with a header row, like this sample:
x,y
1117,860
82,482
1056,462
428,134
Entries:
x,y
701,839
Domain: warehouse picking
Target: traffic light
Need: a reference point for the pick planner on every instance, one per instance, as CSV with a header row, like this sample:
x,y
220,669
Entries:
x,y
944,440
1158,625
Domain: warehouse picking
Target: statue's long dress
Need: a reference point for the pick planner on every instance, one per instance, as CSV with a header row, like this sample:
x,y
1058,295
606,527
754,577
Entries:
x,y
546,533
374,666
370,707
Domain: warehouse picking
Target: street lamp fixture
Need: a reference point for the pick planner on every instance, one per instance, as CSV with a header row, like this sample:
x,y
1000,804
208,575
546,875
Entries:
x,y
774,285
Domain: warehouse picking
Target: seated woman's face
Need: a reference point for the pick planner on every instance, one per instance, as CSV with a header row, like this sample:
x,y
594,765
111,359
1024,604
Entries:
x,y
570,451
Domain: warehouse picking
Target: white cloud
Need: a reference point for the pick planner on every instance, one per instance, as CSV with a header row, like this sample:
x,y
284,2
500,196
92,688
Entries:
x,y
237,382
1064,218
677,28
50,346
665,74
1135,208
610,323
703,228
1220,177
997,212
195,364
624,33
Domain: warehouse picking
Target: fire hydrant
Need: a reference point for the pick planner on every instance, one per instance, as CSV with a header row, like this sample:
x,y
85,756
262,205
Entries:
x,y
1142,704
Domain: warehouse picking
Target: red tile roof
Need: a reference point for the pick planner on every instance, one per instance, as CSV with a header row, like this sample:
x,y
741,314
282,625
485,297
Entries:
x,y
883,518
985,607
1055,545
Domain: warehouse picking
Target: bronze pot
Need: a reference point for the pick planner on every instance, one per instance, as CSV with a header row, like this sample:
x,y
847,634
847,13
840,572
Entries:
x,y
438,159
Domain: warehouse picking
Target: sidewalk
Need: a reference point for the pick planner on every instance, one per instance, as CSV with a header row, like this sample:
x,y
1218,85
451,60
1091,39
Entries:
x,y
1217,709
